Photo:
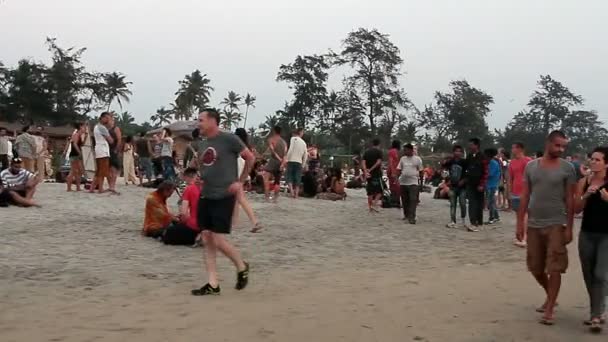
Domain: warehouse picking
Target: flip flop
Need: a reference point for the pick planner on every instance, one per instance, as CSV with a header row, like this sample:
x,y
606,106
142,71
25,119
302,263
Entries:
x,y
596,327
546,321
541,309
590,321
257,228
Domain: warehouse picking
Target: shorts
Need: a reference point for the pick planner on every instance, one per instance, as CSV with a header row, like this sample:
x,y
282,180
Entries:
x,y
179,234
6,198
75,158
547,252
102,169
515,200
374,186
115,161
145,167
501,189
215,215
293,174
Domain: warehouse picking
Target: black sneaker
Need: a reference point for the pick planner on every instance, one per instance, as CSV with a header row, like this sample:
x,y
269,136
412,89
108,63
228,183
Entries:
x,y
242,278
206,290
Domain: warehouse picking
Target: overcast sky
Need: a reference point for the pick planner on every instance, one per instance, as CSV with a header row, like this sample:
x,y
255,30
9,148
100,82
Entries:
x,y
500,46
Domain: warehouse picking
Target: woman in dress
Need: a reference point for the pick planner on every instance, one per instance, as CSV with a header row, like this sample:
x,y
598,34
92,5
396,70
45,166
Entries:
x,y
128,161
76,164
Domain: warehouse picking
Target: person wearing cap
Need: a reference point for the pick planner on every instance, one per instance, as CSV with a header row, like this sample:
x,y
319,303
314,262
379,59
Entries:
x,y
18,185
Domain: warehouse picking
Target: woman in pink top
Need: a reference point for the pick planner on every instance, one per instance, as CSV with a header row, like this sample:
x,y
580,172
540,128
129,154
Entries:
x,y
393,162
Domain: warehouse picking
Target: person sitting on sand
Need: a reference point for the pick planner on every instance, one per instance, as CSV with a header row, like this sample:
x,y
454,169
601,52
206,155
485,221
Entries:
x,y
443,190
186,231
18,185
157,216
335,191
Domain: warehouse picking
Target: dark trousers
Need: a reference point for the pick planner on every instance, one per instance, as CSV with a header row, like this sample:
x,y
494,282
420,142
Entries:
x,y
593,251
3,161
475,205
409,201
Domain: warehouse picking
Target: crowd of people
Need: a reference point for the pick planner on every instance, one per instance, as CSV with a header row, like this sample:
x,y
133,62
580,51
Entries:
x,y
546,192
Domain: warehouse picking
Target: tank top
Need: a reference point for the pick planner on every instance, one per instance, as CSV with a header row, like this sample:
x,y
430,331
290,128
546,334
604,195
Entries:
x,y
73,151
594,213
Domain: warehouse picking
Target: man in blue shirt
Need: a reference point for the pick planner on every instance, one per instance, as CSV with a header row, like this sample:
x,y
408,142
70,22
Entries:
x,y
494,172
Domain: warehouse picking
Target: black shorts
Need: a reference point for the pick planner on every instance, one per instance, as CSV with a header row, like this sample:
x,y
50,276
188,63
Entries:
x,y
115,161
6,198
374,186
215,215
276,175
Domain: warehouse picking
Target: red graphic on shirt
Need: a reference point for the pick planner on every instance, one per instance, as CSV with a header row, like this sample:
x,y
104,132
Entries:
x,y
209,157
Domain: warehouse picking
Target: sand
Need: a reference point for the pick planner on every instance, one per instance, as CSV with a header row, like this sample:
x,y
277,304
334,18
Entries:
x,y
79,270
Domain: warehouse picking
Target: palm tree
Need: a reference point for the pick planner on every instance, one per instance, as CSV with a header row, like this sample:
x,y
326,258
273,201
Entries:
x,y
231,118
124,120
231,102
162,116
180,108
194,92
116,88
249,102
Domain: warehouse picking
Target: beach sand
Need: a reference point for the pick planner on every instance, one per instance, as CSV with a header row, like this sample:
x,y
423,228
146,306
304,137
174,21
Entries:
x,y
79,270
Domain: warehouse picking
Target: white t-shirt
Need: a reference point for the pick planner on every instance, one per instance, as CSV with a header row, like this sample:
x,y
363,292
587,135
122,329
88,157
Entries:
x,y
298,152
167,147
240,166
102,148
410,170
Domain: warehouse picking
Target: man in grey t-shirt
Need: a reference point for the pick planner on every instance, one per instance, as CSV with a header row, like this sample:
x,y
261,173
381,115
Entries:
x,y
548,200
410,175
222,185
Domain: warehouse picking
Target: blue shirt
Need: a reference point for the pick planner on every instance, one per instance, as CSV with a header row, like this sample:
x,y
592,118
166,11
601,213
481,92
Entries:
x,y
493,174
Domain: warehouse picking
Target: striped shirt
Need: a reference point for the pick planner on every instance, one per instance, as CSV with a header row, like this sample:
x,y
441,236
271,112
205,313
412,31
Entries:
x,y
10,180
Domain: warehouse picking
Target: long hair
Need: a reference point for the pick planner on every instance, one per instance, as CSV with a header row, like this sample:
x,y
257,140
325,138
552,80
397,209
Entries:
x,y
242,134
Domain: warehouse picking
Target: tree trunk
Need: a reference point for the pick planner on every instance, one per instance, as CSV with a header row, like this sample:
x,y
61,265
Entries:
x,y
245,121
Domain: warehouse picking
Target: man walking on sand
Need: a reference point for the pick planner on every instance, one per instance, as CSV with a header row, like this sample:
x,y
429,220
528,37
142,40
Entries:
x,y
548,197
278,149
517,167
410,172
372,170
296,158
218,170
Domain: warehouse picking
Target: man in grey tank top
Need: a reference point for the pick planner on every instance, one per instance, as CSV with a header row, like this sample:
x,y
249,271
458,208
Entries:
x,y
548,199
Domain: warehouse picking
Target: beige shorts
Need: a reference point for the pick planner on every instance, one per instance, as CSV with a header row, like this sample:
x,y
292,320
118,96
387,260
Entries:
x,y
547,252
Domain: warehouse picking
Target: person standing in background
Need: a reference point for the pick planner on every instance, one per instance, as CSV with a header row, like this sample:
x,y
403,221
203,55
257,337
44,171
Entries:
x,y
128,161
476,177
103,139
456,168
76,161
166,155
372,171
494,173
411,173
115,150
296,159
144,153
392,172
41,153
517,167
278,149
4,149
25,144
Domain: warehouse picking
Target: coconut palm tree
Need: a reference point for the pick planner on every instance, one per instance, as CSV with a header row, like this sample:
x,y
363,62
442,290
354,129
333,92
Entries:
x,y
162,116
124,119
231,118
249,102
194,92
231,102
116,88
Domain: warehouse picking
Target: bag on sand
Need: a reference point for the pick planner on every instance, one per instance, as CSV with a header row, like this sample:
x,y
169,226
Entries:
x,y
388,201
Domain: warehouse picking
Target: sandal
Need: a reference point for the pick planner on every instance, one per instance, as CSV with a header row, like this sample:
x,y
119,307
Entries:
x,y
546,321
590,321
256,228
541,309
596,326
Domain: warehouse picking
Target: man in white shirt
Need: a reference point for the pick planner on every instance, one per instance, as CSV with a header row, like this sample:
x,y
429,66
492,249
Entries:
x,y
17,185
296,157
411,172
166,155
102,152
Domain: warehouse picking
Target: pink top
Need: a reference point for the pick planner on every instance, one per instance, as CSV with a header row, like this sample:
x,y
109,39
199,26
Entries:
x,y
192,194
393,161
516,172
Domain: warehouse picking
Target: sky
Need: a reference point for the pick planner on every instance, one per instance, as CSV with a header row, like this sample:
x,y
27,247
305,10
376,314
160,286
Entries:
x,y
499,46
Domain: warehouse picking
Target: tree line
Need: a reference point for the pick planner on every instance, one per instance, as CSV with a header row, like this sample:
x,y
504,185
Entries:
x,y
370,101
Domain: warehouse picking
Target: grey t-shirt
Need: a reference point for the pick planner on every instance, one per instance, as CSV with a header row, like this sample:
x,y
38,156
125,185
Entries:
x,y
548,193
410,170
218,162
